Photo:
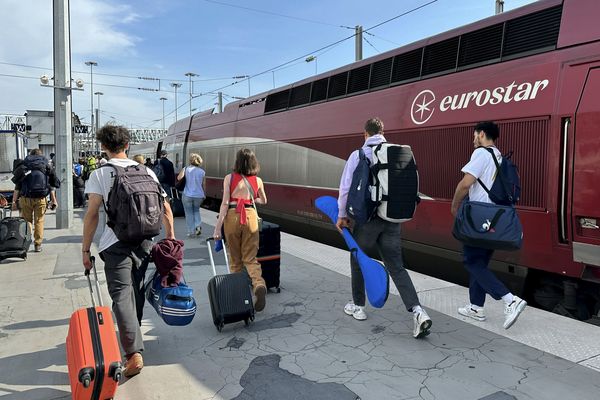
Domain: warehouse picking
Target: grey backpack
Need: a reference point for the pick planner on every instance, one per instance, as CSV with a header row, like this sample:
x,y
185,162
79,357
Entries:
x,y
135,204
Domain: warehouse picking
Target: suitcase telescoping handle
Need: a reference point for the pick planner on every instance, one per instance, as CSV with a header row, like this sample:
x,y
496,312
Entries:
x,y
210,255
97,284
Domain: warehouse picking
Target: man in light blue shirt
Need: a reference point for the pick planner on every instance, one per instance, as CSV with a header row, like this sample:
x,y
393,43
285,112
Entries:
x,y
385,235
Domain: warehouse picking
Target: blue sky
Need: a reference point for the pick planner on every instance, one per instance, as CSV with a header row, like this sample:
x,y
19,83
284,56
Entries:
x,y
167,38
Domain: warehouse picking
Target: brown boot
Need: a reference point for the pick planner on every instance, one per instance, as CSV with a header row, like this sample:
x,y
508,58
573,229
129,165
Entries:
x,y
260,292
133,365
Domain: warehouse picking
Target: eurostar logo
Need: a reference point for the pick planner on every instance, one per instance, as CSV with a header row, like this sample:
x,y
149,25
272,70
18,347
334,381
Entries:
x,y
422,107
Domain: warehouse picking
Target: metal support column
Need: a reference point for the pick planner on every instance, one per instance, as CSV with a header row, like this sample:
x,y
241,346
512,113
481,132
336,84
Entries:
x,y
62,112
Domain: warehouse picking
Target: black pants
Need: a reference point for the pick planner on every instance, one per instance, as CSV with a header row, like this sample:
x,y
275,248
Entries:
x,y
125,268
386,237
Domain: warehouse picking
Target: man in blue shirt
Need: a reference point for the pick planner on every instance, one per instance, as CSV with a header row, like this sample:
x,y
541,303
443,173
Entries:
x,y
385,235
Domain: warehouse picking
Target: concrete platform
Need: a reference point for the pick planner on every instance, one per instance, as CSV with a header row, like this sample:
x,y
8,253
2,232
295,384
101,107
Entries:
x,y
301,347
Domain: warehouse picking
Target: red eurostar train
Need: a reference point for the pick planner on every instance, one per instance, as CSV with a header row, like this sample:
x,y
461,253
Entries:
x,y
534,70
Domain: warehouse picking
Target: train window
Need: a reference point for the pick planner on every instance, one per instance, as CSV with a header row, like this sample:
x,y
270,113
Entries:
x,y
480,46
337,85
359,79
300,95
381,73
440,57
407,66
319,90
277,101
538,31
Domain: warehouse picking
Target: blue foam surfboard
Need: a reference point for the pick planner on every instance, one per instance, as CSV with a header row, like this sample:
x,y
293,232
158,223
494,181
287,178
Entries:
x,y
374,273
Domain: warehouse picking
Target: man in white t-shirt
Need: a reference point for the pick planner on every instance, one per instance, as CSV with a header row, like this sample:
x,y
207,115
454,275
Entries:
x,y
476,260
125,264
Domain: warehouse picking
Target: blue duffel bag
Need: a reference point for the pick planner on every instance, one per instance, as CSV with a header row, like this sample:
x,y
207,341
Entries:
x,y
488,226
175,304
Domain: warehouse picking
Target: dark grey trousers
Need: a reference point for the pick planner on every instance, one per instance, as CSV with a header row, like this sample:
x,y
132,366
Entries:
x,y
125,267
385,237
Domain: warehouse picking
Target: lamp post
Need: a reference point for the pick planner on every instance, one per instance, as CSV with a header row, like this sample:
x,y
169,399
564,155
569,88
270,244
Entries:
x,y
176,86
190,75
98,120
98,110
312,58
91,64
163,118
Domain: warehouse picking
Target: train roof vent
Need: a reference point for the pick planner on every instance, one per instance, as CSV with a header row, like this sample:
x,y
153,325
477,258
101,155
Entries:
x,y
319,90
536,32
277,101
359,79
300,95
481,46
337,85
407,66
441,56
381,73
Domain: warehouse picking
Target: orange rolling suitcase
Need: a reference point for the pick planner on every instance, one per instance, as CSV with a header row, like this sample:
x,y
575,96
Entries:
x,y
93,353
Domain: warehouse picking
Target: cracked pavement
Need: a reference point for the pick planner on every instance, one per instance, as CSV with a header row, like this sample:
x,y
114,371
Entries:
x,y
302,346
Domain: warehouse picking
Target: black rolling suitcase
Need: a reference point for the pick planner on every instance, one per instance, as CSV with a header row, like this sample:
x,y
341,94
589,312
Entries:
x,y
176,204
15,237
269,254
230,295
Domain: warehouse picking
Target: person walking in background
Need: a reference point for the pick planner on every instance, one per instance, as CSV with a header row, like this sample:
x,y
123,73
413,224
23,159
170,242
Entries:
x,y
239,218
165,172
125,261
138,158
384,235
482,168
193,194
31,191
89,167
149,163
78,184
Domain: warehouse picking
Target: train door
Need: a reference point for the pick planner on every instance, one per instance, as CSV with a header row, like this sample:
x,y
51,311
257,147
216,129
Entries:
x,y
586,174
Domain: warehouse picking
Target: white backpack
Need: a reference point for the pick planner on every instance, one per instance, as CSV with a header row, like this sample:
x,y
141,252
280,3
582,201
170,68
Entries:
x,y
396,185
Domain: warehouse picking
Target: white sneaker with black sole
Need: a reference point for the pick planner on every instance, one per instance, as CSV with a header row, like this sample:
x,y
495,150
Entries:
x,y
355,311
470,311
422,324
513,310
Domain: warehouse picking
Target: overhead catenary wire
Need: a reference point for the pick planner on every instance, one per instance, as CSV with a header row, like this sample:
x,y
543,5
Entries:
x,y
382,38
322,49
328,46
117,75
312,21
278,67
371,44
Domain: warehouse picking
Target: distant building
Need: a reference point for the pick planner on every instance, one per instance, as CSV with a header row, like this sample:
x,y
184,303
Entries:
x,y
41,134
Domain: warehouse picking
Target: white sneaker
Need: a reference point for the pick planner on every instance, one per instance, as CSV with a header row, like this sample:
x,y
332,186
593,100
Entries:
x,y
513,310
422,324
472,312
357,312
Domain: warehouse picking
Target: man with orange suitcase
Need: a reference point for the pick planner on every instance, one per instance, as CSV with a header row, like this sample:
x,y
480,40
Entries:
x,y
135,206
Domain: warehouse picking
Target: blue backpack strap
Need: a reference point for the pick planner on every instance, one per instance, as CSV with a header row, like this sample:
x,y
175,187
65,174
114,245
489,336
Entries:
x,y
500,175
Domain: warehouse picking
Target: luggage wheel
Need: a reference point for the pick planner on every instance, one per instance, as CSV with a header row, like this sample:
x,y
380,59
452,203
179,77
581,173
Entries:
x,y
247,321
278,290
220,327
252,318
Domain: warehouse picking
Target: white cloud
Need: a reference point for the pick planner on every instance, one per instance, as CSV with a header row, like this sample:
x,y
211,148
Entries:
x,y
99,31
95,29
